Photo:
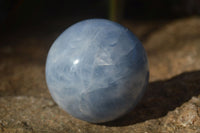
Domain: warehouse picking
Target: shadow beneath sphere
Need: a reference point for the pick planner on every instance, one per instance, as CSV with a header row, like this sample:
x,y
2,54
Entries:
x,y
162,97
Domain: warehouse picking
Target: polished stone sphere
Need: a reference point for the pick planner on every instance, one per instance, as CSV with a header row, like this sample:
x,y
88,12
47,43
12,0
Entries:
x,y
97,70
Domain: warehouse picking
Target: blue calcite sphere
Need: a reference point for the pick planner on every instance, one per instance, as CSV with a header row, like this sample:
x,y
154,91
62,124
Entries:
x,y
97,70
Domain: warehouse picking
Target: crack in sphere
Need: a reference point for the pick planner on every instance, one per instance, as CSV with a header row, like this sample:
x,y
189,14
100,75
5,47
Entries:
x,y
97,70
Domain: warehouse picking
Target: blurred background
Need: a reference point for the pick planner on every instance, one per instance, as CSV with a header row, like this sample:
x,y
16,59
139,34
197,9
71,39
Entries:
x,y
15,13
168,29
30,26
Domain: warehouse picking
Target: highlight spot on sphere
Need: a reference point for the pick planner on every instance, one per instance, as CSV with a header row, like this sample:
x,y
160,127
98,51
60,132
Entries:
x,y
76,61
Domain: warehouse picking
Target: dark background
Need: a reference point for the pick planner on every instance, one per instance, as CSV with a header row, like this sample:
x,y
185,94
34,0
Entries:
x,y
15,13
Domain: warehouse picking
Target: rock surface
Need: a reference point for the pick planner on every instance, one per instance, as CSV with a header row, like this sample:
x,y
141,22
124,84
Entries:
x,y
176,46
171,103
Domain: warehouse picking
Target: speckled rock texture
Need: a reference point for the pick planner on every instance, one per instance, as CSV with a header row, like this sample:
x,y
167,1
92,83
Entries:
x,y
171,103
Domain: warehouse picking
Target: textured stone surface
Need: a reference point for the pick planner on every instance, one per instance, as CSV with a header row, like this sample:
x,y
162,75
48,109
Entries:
x,y
170,105
175,47
97,70
38,114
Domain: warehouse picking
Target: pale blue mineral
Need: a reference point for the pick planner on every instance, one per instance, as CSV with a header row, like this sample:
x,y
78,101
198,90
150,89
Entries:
x,y
97,70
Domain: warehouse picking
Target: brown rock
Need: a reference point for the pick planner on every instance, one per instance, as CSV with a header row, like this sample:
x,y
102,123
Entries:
x,y
171,103
38,114
174,49
183,119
